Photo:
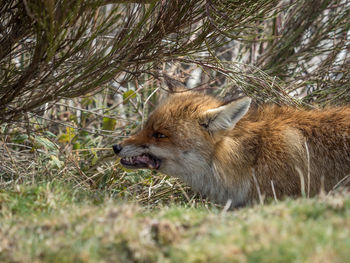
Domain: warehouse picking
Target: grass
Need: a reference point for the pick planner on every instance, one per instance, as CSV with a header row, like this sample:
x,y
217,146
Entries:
x,y
80,206
53,222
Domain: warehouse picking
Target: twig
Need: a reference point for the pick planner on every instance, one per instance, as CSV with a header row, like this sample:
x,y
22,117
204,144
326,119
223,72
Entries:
x,y
302,181
257,187
226,207
145,103
274,192
308,169
92,149
346,179
10,155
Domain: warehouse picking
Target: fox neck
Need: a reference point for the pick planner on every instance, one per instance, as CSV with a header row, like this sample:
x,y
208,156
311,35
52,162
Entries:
x,y
203,177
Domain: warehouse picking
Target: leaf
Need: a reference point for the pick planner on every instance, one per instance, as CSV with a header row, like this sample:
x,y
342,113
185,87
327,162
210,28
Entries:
x,y
68,136
108,124
55,162
76,146
50,134
45,143
130,94
20,138
95,158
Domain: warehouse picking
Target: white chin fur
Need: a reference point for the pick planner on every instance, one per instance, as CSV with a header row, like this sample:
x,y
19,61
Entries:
x,y
192,168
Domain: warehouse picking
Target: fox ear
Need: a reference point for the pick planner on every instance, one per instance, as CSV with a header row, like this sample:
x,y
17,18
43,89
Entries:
x,y
173,85
225,117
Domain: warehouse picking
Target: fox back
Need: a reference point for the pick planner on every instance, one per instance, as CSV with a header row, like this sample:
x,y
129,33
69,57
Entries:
x,y
227,151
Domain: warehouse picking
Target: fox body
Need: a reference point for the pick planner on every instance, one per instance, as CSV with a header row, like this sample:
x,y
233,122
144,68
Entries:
x,y
227,151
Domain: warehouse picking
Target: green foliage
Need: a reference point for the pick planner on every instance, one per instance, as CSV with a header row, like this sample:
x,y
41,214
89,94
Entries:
x,y
67,136
42,142
130,94
109,124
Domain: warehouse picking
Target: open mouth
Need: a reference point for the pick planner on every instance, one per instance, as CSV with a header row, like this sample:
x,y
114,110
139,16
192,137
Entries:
x,y
141,161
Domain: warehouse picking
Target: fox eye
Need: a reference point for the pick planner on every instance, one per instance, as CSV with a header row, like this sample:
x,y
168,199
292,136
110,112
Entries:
x,y
204,125
158,135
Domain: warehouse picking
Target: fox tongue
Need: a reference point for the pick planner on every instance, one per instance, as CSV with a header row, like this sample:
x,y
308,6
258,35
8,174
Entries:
x,y
141,161
145,159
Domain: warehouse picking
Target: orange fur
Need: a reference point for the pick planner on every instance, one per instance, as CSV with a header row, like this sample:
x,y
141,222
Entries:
x,y
279,146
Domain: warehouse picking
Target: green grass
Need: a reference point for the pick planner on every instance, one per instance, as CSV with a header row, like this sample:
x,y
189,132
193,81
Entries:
x,y
84,207
56,222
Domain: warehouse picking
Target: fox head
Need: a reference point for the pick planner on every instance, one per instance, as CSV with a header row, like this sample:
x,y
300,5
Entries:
x,y
180,135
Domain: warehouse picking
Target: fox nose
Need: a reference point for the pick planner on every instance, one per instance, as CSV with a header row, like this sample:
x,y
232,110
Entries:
x,y
117,148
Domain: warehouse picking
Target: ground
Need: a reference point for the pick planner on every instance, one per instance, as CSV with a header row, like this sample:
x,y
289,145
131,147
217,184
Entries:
x,y
58,222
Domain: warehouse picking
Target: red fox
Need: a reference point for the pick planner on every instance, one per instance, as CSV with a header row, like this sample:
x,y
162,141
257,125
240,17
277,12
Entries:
x,y
231,153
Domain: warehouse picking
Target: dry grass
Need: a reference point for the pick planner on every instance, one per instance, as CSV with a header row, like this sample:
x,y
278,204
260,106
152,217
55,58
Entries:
x,y
39,160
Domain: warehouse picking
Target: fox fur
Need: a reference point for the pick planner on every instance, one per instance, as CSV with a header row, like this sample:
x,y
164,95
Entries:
x,y
231,153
